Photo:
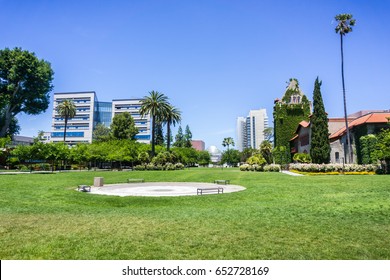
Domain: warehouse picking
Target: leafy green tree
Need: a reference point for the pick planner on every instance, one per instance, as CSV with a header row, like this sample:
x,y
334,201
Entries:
x,y
25,83
257,159
159,135
204,158
156,105
179,138
345,22
266,151
247,153
172,117
123,126
320,146
101,133
269,134
67,110
227,142
382,150
232,157
79,154
187,137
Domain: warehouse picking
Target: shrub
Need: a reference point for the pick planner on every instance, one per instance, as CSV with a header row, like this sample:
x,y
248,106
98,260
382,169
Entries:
x,y
302,158
272,168
179,166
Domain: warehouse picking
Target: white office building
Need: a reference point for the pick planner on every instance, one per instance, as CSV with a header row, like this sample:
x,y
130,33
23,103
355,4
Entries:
x,y
89,113
250,130
79,128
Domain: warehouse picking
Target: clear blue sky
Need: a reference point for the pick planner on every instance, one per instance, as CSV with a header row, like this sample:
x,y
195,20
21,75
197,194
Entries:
x,y
214,59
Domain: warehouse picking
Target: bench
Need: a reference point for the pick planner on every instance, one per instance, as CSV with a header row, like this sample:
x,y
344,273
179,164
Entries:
x,y
225,182
135,180
84,188
200,191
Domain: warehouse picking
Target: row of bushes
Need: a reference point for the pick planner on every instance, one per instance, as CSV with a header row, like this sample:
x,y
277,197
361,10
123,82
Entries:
x,y
261,168
167,166
326,168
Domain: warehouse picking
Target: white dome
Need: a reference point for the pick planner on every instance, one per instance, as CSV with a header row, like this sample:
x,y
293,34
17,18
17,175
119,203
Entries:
x,y
213,150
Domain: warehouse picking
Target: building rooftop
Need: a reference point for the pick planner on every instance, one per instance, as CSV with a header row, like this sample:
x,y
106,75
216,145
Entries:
x,y
369,118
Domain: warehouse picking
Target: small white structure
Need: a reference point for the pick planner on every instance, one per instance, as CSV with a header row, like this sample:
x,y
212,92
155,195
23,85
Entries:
x,y
215,154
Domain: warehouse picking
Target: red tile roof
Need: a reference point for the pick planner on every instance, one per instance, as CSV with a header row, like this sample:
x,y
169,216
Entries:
x,y
369,118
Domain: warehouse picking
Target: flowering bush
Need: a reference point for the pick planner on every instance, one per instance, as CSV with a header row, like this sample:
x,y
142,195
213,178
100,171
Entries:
x,y
327,168
167,166
261,168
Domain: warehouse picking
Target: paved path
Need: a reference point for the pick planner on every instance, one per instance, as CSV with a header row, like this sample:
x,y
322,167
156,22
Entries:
x,y
291,173
160,189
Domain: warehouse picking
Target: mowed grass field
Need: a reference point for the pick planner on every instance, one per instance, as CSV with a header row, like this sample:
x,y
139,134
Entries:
x,y
277,217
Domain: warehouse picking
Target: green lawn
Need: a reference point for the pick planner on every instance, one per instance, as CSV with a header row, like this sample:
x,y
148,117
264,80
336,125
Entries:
x,y
277,217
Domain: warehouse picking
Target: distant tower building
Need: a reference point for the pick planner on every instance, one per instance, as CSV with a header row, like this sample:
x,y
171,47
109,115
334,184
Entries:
x,y
250,130
288,113
198,145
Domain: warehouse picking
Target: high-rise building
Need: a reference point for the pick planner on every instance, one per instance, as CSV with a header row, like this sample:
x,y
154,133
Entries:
x,y
79,128
141,122
250,130
90,112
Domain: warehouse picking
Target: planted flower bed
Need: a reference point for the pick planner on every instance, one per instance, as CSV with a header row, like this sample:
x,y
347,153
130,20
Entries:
x,y
333,168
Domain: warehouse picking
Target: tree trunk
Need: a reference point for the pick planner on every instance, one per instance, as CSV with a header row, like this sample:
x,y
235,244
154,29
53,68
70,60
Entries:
x,y
153,124
345,103
169,136
66,124
7,122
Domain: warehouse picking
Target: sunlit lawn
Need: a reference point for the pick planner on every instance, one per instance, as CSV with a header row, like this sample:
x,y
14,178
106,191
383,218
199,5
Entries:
x,y
277,217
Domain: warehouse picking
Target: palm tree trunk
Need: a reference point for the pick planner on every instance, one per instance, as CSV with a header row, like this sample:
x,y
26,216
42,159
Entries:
x,y
66,124
153,126
345,103
169,136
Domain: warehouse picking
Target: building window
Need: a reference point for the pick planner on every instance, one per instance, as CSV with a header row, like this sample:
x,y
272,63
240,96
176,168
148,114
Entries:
x,y
337,157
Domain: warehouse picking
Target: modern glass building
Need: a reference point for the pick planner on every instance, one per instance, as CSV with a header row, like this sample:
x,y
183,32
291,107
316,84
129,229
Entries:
x,y
91,112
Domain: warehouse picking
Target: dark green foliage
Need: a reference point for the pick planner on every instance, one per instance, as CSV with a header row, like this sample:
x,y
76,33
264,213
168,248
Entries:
x,y
231,157
159,136
187,137
266,151
123,126
179,138
281,155
204,158
302,158
382,150
101,133
320,146
368,144
25,83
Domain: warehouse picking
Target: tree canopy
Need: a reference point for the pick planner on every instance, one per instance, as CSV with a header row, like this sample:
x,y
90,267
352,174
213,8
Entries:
x,y
123,126
25,83
320,146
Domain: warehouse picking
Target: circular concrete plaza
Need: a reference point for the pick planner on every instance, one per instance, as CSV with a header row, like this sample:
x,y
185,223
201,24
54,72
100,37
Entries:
x,y
162,189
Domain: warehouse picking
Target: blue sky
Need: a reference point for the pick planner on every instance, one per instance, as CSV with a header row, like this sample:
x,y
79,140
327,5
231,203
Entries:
x,y
214,59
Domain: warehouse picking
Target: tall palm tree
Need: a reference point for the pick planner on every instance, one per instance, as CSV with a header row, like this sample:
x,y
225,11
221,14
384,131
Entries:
x,y
344,26
67,110
227,142
156,105
171,117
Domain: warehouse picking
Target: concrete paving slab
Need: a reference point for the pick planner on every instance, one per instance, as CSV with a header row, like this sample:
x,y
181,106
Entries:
x,y
160,189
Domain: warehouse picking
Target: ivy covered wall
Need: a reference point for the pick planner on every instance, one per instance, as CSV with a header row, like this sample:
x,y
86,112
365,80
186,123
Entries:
x,y
288,113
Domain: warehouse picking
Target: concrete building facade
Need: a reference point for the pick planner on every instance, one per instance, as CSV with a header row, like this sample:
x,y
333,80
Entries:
x,y
250,130
89,113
